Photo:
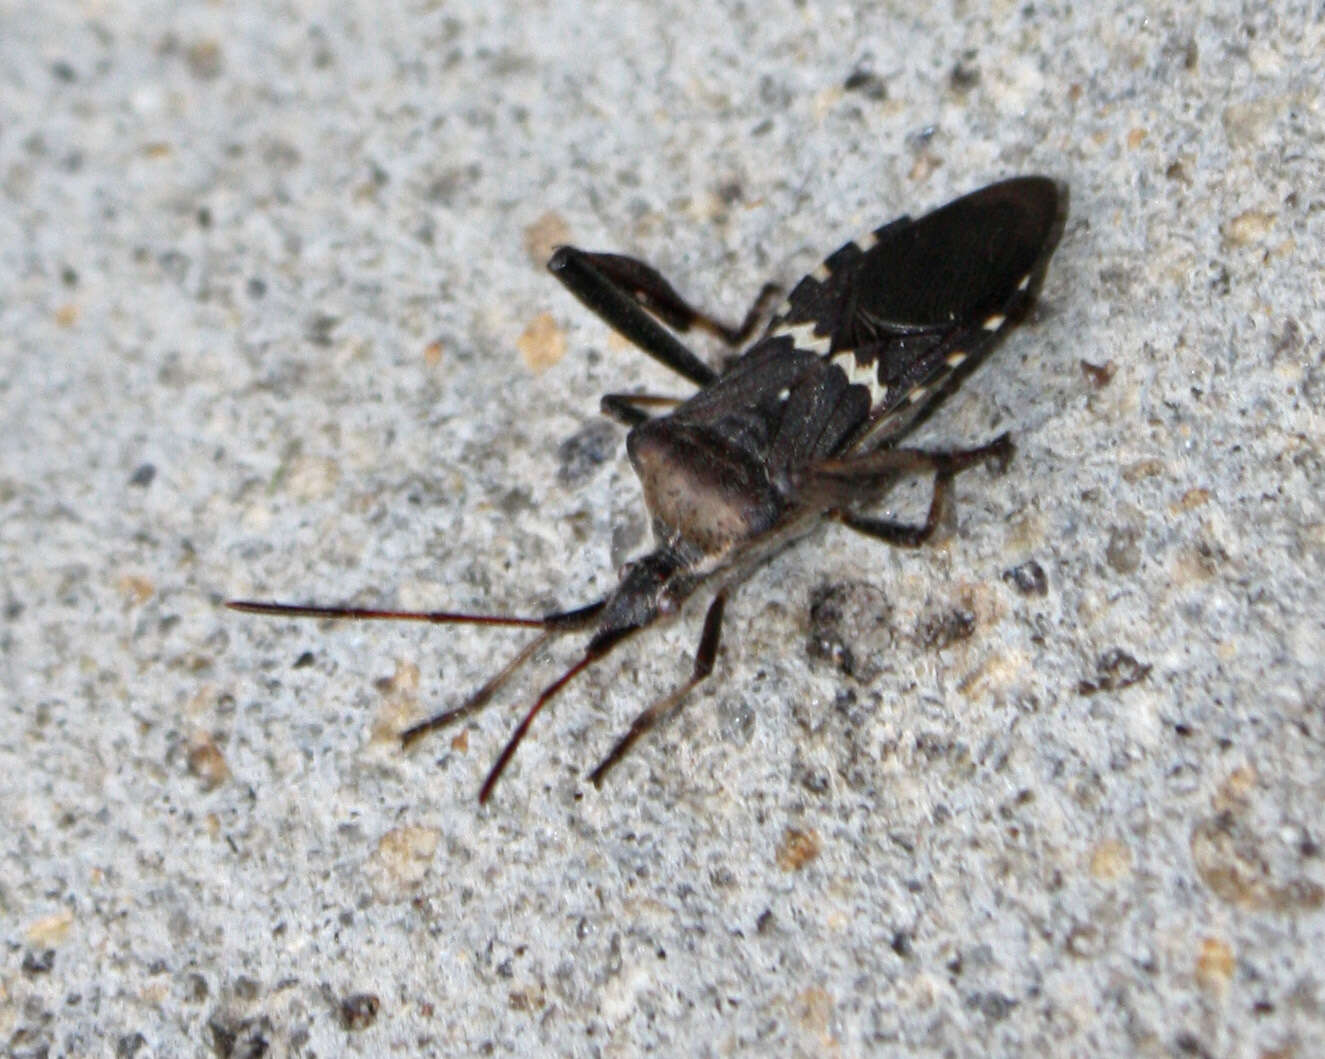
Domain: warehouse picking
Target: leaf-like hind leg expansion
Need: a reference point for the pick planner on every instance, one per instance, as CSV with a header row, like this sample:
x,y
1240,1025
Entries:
x,y
628,408
889,462
650,288
705,656
627,294
615,306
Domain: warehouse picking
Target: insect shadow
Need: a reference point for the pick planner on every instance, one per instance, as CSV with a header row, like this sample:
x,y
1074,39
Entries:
x,y
802,426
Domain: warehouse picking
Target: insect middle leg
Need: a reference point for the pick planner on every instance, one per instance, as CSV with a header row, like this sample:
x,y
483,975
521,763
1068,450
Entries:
x,y
902,534
705,656
628,408
868,469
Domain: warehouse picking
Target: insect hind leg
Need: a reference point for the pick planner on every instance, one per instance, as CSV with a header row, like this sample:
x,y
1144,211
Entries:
x,y
651,290
632,297
902,534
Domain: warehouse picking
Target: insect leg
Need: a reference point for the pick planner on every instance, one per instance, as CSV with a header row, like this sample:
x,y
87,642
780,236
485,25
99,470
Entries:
x,y
625,407
650,288
551,624
660,710
900,533
615,306
476,701
598,647
841,477
847,477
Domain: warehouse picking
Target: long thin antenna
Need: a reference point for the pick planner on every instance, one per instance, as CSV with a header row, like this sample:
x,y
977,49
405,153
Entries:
x,y
553,625
432,617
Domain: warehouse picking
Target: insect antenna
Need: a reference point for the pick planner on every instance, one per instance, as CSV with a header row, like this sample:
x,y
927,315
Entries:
x,y
433,617
553,625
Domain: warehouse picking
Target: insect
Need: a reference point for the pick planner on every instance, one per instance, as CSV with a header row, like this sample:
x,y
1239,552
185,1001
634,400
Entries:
x,y
802,426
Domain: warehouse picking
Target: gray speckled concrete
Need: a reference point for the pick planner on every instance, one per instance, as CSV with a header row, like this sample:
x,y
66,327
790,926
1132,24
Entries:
x,y
272,324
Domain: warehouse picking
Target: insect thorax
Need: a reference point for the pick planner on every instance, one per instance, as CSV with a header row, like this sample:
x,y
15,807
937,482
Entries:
x,y
704,495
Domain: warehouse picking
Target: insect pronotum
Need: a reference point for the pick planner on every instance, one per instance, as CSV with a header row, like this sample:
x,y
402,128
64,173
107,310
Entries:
x,y
802,426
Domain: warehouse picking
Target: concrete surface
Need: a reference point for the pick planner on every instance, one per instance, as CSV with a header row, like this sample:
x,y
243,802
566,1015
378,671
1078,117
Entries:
x,y
273,323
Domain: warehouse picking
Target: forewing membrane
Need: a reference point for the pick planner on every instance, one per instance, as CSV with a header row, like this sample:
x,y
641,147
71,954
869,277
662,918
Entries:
x,y
905,308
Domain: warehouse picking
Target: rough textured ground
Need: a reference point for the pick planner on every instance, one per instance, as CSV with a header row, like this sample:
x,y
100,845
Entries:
x,y
273,323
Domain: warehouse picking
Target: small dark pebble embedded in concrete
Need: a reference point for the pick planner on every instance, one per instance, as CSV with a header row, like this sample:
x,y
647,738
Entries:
x,y
964,77
1123,552
1116,669
1029,578
867,83
848,623
35,963
584,451
1098,375
358,1011
129,1045
240,1039
943,630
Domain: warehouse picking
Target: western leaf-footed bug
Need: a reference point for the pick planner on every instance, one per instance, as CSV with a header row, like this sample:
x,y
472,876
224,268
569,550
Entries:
x,y
802,426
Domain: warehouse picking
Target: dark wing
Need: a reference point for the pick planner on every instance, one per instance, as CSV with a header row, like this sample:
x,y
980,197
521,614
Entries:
x,y
904,307
785,407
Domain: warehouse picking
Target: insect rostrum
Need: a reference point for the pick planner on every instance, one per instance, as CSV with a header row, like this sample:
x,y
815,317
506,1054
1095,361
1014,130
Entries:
x,y
803,425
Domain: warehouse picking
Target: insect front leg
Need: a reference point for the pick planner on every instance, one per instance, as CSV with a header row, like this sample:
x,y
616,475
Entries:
x,y
553,625
869,470
705,656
